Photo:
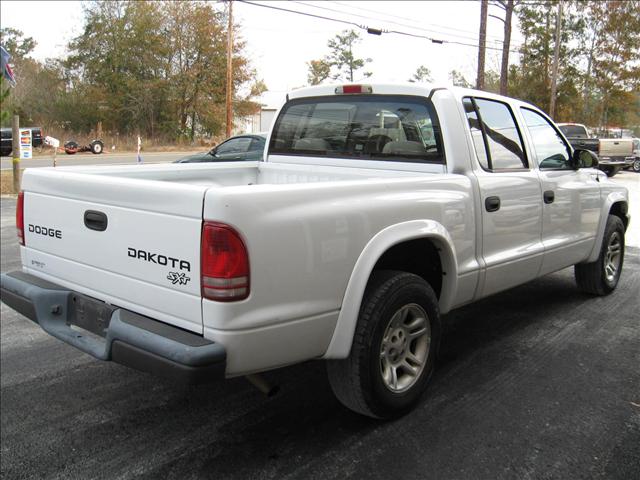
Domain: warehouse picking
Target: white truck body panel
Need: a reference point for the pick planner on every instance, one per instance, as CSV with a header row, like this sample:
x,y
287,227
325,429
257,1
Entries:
x,y
314,228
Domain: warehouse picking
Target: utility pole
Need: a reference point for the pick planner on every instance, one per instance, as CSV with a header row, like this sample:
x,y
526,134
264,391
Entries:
x,y
230,71
484,8
556,58
15,127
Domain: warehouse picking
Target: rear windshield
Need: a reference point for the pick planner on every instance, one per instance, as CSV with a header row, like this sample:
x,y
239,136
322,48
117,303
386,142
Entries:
x,y
573,131
360,127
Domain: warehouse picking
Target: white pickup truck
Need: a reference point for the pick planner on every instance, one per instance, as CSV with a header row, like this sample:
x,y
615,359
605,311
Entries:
x,y
375,210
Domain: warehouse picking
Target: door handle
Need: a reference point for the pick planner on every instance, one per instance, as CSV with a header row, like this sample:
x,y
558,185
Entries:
x,y
492,204
95,220
549,196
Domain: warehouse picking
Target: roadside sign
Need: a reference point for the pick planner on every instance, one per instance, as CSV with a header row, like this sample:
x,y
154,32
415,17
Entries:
x,y
26,149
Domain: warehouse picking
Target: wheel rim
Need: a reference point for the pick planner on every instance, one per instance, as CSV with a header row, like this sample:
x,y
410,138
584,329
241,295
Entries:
x,y
405,348
613,257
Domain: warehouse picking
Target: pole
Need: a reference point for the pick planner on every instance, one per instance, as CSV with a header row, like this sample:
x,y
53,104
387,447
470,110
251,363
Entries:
x,y
230,70
556,58
484,8
504,68
15,127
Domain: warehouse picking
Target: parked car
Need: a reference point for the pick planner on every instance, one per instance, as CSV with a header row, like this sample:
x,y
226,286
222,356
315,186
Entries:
x,y
234,149
6,139
377,209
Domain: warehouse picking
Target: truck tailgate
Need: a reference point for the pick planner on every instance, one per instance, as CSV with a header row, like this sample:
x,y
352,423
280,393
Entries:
x,y
131,243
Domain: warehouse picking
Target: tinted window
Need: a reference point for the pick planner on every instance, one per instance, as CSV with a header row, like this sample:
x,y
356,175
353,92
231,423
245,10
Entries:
x,y
235,145
501,135
476,133
573,131
366,127
550,149
257,144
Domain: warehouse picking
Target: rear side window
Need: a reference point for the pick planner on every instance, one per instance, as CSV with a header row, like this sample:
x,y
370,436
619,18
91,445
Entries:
x,y
502,146
235,145
360,127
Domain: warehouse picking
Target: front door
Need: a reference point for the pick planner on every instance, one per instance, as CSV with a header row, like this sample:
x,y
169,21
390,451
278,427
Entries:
x,y
571,210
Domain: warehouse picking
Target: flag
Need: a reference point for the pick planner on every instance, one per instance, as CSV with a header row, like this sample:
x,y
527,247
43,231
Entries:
x,y
7,72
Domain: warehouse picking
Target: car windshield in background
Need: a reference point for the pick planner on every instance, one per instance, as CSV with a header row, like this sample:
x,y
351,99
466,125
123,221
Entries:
x,y
573,131
361,127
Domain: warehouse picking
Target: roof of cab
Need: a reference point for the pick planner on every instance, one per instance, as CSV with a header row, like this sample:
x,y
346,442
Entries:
x,y
407,88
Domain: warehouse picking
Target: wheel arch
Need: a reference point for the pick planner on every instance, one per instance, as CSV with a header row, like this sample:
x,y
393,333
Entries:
x,y
615,204
393,237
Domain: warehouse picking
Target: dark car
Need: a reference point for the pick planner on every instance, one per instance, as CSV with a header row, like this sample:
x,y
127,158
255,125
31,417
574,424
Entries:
x,y
6,139
234,149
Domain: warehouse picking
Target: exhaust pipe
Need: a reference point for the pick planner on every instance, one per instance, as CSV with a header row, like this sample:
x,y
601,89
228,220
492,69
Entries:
x,y
262,384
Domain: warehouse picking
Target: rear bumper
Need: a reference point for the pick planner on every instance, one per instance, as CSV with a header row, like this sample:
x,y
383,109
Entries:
x,y
616,161
111,333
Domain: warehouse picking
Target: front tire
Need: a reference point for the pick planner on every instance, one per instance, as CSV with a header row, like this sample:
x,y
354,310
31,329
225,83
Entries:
x,y
601,277
394,347
636,165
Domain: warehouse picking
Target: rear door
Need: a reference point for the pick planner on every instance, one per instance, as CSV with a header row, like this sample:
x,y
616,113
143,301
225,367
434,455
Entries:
x,y
132,244
511,198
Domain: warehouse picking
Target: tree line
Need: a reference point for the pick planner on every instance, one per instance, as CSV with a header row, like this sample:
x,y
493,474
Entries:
x,y
156,69
598,79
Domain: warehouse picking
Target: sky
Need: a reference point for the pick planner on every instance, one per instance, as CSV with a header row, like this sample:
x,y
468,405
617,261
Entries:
x,y
279,43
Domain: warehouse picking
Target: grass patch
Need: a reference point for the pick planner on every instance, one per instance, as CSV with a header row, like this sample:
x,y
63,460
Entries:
x,y
6,182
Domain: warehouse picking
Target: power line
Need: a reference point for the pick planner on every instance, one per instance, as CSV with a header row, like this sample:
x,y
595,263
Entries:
x,y
437,26
368,29
433,31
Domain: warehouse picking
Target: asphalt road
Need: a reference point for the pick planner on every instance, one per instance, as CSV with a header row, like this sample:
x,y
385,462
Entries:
x,y
90,159
537,382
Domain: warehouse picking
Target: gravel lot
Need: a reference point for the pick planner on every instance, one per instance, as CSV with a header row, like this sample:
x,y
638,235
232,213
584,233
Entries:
x,y
537,382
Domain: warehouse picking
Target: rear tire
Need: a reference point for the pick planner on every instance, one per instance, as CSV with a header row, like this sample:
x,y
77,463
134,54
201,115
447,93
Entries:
x,y
96,147
601,277
394,347
636,165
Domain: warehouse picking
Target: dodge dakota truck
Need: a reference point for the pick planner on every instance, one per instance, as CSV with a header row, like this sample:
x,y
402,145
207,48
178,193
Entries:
x,y
375,210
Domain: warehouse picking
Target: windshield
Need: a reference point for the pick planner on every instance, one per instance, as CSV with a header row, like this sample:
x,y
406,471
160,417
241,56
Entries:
x,y
360,127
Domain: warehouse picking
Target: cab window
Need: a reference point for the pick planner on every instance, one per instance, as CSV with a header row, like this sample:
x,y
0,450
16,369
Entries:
x,y
550,150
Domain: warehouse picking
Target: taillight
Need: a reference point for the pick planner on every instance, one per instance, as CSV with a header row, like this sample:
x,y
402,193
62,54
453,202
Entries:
x,y
20,218
224,263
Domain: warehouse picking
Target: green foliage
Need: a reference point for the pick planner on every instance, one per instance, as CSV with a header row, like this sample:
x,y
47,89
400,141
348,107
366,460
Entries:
x,y
319,71
341,62
15,44
459,80
422,75
5,114
599,67
140,67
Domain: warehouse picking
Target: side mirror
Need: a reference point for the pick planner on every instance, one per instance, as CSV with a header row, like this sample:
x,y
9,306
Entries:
x,y
584,159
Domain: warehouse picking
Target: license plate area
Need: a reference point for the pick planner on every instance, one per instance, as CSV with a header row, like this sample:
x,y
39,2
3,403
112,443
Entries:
x,y
89,314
